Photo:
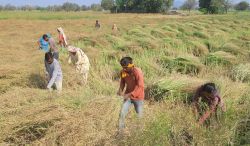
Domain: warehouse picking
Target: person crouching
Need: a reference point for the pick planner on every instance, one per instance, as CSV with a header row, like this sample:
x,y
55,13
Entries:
x,y
80,60
55,72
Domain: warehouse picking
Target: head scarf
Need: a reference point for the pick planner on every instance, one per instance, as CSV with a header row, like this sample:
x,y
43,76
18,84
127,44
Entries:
x,y
73,49
124,74
62,32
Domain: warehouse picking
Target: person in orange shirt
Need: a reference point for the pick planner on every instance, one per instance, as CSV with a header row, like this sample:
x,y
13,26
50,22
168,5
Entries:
x,y
62,37
132,78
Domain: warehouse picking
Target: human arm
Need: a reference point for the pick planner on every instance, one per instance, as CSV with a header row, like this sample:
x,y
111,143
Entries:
x,y
69,60
39,44
121,88
212,109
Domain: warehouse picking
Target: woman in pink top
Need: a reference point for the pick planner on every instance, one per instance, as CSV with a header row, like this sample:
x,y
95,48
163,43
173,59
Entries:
x,y
62,37
209,95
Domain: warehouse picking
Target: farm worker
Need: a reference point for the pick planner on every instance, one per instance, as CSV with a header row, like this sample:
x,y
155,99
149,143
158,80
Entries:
x,y
132,78
210,96
62,37
48,40
97,24
43,44
80,59
114,28
55,72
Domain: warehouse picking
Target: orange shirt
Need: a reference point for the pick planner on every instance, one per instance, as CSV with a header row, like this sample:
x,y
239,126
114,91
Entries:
x,y
61,38
134,84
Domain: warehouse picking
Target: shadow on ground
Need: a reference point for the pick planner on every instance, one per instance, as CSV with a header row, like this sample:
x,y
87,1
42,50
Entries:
x,y
37,81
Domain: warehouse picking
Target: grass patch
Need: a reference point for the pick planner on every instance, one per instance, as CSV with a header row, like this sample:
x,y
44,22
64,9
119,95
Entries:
x,y
183,65
241,72
27,133
233,49
174,89
220,58
200,35
199,49
157,34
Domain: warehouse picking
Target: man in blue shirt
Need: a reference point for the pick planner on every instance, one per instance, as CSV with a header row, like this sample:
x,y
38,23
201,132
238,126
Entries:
x,y
43,43
55,72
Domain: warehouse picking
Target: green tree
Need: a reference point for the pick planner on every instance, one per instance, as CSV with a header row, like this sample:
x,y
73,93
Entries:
x,y
189,5
153,6
71,7
84,8
227,4
212,6
217,6
107,4
242,6
9,7
142,6
96,7
167,4
204,5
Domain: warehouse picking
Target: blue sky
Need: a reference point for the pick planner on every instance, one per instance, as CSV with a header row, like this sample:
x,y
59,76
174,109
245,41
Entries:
x,y
177,3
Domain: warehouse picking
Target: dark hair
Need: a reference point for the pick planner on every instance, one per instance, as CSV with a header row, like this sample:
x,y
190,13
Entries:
x,y
125,61
45,36
209,87
48,56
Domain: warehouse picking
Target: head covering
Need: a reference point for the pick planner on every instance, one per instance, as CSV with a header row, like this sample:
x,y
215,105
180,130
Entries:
x,y
73,49
62,32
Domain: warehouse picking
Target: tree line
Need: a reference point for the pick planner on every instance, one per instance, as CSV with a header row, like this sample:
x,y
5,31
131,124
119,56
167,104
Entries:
x,y
141,6
64,7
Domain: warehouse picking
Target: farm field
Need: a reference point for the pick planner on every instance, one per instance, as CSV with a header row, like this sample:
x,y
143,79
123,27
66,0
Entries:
x,y
176,54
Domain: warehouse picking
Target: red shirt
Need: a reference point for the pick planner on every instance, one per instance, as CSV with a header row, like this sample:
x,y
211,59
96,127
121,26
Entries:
x,y
61,38
134,84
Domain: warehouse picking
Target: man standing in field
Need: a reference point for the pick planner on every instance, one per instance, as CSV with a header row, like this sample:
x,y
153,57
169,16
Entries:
x,y
55,72
81,60
132,78
209,96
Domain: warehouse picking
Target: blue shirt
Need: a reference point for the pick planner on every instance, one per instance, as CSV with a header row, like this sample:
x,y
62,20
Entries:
x,y
55,72
44,45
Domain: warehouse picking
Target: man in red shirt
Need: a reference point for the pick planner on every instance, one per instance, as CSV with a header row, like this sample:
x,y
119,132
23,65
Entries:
x,y
132,78
210,96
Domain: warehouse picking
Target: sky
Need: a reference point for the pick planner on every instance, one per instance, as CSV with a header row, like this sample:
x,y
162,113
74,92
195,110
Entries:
x,y
177,3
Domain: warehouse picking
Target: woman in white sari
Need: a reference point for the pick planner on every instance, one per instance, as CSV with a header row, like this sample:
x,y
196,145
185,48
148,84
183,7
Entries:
x,y
80,60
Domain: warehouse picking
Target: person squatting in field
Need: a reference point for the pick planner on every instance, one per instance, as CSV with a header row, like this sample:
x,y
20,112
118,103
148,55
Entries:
x,y
62,38
208,94
80,60
132,78
54,71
